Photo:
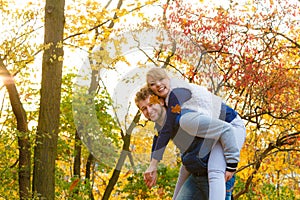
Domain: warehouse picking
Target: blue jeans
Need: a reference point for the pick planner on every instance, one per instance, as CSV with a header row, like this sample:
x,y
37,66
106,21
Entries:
x,y
229,188
195,187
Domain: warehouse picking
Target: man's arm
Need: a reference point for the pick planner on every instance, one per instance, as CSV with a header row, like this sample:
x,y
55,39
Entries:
x,y
176,98
168,131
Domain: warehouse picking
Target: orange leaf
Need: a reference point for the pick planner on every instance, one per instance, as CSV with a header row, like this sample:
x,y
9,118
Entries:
x,y
128,173
161,192
176,109
154,99
74,184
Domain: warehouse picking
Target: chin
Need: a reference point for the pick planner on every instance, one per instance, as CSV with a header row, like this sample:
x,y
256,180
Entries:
x,y
166,91
154,120
163,95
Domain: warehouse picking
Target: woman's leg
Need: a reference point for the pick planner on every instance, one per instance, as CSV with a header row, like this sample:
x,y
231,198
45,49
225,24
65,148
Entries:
x,y
239,131
196,124
203,126
217,164
216,173
240,135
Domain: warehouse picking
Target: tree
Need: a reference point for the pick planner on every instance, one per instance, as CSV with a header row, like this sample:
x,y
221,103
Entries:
x,y
256,49
78,38
23,137
48,124
94,87
13,63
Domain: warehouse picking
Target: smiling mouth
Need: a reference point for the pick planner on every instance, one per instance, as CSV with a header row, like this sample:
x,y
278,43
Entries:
x,y
151,114
161,89
151,117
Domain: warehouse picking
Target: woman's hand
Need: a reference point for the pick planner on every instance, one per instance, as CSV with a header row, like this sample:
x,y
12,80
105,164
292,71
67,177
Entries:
x,y
228,175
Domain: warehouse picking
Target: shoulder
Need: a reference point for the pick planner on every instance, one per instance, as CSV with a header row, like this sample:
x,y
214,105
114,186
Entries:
x,y
179,83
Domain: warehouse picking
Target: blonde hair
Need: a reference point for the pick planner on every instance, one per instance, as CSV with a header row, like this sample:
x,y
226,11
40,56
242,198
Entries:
x,y
156,73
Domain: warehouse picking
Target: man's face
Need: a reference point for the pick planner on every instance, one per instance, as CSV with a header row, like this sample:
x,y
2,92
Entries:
x,y
152,111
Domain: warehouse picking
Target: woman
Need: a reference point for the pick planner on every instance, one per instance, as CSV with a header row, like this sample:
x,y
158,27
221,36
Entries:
x,y
195,102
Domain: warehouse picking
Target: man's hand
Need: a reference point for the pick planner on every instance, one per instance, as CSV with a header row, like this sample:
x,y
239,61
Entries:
x,y
150,176
228,175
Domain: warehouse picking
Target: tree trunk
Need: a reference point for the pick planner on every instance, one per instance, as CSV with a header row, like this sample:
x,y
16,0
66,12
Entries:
x,y
23,138
48,124
77,159
89,164
125,152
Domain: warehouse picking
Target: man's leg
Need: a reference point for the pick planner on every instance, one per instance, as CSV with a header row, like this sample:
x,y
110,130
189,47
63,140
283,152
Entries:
x,y
183,176
195,187
229,188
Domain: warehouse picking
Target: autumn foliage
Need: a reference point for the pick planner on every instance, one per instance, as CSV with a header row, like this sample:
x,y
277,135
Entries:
x,y
256,49
248,52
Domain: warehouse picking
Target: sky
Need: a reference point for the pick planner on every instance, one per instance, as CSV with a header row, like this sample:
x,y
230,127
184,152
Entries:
x,y
78,58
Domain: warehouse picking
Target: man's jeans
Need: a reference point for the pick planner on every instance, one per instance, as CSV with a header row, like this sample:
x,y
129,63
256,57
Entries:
x,y
195,187
229,188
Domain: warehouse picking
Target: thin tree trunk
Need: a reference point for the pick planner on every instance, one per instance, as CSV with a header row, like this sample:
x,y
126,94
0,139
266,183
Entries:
x,y
90,160
125,152
77,159
89,164
23,137
48,124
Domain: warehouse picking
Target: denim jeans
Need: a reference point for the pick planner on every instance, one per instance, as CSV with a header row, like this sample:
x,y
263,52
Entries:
x,y
229,188
195,187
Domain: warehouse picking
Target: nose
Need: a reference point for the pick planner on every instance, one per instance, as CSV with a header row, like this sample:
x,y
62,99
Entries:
x,y
157,83
148,109
147,112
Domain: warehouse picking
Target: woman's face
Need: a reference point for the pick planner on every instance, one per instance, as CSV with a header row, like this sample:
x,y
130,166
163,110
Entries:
x,y
160,87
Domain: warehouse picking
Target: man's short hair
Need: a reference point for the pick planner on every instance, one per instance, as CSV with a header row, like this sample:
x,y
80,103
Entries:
x,y
142,94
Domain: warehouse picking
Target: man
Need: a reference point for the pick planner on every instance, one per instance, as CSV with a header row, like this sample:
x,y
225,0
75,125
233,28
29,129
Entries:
x,y
154,110
196,186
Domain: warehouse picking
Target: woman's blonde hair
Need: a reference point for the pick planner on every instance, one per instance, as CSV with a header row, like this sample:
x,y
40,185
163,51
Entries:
x,y
156,73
